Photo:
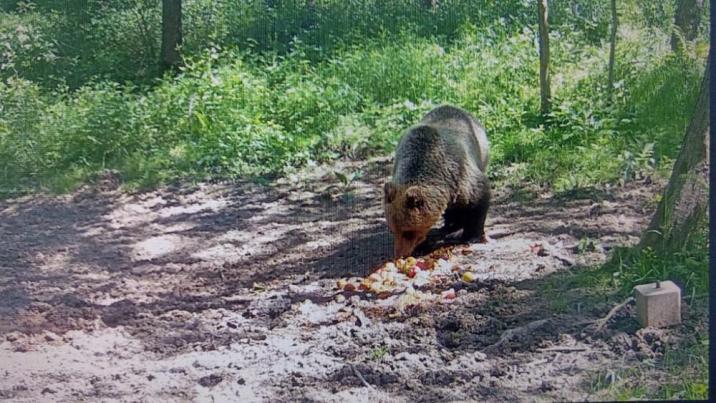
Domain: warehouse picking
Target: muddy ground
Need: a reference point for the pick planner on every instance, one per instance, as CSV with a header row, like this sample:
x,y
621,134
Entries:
x,y
225,292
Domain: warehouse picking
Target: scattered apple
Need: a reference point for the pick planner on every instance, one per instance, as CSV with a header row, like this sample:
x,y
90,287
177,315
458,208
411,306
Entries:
x,y
423,265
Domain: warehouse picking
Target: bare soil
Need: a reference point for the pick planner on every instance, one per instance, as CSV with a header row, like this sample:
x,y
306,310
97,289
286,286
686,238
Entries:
x,y
226,292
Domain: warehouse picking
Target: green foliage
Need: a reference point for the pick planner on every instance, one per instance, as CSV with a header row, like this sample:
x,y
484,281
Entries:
x,y
336,89
93,40
687,267
590,19
628,267
652,96
682,372
659,14
26,47
81,41
271,85
378,353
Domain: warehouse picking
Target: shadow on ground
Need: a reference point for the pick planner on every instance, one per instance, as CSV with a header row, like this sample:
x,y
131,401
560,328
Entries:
x,y
65,257
194,269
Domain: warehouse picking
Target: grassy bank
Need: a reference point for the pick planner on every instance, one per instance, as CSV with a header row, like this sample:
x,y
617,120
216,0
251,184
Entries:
x,y
235,113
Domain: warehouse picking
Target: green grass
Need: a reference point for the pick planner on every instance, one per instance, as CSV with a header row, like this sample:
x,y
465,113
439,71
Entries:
x,y
682,371
628,267
94,40
269,86
236,113
378,353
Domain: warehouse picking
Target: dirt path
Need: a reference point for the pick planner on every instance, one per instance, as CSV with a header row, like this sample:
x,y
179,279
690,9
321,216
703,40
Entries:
x,y
225,292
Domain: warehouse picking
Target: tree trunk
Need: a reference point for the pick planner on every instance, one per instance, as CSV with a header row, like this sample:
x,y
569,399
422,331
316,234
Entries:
x,y
612,49
545,94
685,201
171,33
686,22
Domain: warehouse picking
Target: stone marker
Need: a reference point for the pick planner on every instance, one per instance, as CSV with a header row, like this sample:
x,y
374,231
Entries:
x,y
658,304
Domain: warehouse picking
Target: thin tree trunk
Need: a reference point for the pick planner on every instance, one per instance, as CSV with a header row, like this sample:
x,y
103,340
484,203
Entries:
x,y
544,80
612,49
685,200
171,33
686,22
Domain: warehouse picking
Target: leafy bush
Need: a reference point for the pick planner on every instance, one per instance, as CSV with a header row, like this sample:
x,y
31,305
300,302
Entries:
x,y
239,112
93,40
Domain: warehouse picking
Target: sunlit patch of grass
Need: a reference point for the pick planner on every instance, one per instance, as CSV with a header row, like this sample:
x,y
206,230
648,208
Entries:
x,y
378,353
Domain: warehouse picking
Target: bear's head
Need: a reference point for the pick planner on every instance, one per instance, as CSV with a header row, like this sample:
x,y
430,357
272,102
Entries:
x,y
411,210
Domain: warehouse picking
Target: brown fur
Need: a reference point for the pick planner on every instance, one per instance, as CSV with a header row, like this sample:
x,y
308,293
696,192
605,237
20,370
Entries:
x,y
439,171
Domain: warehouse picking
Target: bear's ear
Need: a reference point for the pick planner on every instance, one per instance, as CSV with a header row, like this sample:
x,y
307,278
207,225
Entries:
x,y
389,192
414,198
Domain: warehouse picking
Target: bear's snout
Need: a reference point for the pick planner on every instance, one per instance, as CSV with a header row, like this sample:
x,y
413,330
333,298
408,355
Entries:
x,y
404,246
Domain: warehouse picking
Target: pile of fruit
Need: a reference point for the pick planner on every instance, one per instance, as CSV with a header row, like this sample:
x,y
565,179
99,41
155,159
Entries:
x,y
414,278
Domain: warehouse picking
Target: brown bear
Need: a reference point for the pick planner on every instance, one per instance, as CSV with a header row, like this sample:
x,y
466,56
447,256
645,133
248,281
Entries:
x,y
439,170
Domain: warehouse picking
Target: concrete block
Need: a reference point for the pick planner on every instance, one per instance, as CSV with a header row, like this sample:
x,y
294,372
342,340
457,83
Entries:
x,y
658,304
